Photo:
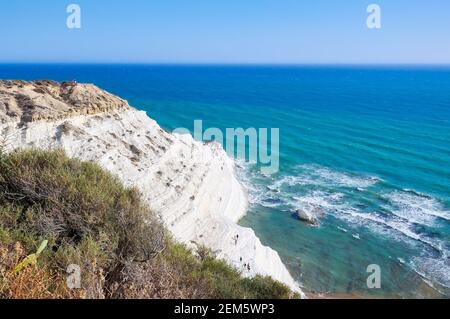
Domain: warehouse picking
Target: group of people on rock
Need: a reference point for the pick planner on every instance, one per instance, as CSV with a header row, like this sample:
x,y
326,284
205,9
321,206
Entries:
x,y
246,265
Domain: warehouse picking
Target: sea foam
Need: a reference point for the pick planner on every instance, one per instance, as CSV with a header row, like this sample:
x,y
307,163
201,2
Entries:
x,y
317,189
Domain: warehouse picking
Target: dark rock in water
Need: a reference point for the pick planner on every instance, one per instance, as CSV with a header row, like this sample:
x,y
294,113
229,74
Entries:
x,y
307,217
272,201
272,189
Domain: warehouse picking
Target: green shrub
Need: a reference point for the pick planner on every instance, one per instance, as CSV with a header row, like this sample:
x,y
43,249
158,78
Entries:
x,y
90,219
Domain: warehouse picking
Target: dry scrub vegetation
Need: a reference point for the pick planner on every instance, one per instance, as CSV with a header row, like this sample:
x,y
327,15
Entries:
x,y
90,219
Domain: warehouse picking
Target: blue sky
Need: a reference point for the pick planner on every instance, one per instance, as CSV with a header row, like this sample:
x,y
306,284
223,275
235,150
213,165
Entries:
x,y
226,31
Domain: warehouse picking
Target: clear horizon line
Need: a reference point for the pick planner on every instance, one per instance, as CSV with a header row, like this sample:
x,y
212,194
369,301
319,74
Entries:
x,y
225,63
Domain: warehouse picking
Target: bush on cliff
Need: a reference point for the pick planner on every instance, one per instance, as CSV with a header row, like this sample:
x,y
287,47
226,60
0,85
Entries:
x,y
91,220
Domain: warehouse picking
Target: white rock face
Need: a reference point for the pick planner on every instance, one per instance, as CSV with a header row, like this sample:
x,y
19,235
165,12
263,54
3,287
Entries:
x,y
307,217
191,185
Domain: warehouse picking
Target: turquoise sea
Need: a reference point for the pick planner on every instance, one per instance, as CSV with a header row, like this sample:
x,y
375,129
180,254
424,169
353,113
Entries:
x,y
366,148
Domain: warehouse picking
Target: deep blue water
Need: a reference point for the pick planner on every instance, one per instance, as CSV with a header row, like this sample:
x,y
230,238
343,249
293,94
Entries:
x,y
365,148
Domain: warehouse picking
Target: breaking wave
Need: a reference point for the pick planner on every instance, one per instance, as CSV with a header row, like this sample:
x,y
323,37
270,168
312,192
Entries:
x,y
416,207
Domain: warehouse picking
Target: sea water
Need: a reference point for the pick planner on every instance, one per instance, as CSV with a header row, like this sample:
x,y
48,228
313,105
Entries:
x,y
366,149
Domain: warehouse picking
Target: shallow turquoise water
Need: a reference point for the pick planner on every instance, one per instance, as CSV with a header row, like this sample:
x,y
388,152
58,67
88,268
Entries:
x,y
367,149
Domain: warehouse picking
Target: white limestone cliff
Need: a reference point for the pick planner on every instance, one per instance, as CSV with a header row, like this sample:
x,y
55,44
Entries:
x,y
191,185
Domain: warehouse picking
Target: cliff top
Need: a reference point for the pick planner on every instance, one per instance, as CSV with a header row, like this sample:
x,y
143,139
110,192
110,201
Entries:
x,y
29,101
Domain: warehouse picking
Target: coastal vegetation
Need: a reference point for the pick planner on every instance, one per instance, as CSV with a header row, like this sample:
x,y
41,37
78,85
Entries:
x,y
58,214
